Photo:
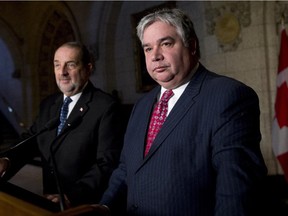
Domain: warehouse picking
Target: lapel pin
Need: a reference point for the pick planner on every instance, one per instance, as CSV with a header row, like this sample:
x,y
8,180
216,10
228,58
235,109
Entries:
x,y
81,109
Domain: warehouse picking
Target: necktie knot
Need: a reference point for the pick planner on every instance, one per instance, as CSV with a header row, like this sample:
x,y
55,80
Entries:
x,y
167,95
67,101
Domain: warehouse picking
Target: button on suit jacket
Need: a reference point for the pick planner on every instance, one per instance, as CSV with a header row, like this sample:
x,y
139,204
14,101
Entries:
x,y
205,160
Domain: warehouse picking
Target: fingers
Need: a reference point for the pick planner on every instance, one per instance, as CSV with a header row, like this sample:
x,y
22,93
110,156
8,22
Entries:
x,y
56,199
4,164
53,197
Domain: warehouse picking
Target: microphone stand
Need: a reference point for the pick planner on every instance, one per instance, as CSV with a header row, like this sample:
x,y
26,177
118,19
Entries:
x,y
71,125
48,126
56,176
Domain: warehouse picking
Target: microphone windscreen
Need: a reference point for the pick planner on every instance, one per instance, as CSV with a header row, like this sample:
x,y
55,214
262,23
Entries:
x,y
52,124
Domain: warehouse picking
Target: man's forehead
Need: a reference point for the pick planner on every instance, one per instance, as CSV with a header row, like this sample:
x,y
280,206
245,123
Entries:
x,y
156,33
67,52
158,26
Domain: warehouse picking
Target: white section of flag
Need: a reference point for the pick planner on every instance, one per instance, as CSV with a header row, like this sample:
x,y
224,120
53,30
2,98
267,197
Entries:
x,y
279,138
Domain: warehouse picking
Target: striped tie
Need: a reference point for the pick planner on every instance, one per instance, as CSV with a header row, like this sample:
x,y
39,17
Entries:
x,y
63,114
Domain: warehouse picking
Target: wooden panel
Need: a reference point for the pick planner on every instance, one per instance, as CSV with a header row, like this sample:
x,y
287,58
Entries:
x,y
10,205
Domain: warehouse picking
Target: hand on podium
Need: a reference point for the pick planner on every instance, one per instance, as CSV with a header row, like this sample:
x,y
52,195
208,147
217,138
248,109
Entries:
x,y
56,199
4,165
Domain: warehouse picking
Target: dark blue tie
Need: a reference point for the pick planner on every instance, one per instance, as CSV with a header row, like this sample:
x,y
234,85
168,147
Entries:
x,y
63,114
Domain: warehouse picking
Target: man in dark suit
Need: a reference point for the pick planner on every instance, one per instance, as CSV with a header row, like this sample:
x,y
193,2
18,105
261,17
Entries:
x,y
88,147
206,159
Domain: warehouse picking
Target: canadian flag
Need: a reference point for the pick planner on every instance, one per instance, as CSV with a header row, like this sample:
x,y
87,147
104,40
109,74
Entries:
x,y
280,122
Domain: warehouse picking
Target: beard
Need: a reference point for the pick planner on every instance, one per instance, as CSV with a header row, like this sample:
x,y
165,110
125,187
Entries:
x,y
67,87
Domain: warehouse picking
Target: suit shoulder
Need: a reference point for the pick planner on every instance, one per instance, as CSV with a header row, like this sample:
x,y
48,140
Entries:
x,y
103,97
225,83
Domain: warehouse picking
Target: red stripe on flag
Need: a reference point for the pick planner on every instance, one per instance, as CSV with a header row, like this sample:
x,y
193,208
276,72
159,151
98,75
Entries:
x,y
283,160
283,56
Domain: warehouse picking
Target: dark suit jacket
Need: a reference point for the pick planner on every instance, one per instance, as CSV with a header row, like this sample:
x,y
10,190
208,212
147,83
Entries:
x,y
204,161
85,153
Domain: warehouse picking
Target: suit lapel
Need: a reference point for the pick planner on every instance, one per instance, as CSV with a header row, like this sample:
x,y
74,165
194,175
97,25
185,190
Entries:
x,y
80,108
183,105
76,115
145,108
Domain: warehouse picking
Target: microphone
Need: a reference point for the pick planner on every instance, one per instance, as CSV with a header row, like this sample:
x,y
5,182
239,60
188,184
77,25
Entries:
x,y
53,123
70,125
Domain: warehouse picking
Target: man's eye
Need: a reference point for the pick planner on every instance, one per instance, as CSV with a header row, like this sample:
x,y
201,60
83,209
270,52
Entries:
x,y
71,65
167,44
147,49
56,65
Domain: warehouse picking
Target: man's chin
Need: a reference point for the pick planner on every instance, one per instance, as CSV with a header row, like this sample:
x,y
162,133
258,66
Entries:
x,y
166,83
67,91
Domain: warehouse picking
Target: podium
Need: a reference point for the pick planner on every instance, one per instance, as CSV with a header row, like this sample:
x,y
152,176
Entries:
x,y
10,205
17,201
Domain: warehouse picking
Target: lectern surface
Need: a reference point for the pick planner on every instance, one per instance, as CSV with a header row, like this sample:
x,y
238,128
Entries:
x,y
10,190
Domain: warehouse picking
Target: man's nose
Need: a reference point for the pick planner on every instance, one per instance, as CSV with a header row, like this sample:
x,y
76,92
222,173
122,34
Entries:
x,y
157,54
64,70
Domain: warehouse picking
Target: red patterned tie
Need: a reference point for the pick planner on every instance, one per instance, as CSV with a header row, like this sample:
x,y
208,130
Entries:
x,y
157,119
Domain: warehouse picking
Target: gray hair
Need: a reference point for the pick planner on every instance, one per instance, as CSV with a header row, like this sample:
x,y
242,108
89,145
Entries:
x,y
174,17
